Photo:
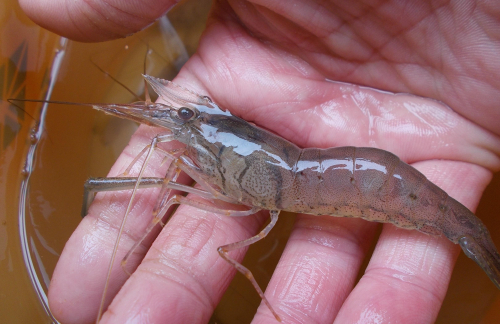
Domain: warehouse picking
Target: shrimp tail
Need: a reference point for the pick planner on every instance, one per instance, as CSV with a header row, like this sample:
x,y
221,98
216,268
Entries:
x,y
484,253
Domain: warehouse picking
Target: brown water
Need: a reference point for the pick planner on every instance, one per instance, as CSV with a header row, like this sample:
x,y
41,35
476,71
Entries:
x,y
25,58
78,142
46,158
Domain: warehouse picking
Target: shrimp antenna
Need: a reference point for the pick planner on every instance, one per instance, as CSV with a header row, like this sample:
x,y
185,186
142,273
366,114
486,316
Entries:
x,y
116,80
86,104
11,101
147,98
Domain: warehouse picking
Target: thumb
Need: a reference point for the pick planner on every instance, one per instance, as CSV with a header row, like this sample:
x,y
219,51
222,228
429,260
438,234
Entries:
x,y
95,20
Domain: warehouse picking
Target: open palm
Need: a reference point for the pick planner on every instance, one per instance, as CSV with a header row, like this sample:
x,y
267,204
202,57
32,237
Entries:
x,y
272,63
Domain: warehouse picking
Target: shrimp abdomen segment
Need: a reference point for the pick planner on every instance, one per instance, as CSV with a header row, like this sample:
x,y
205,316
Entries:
x,y
377,186
356,182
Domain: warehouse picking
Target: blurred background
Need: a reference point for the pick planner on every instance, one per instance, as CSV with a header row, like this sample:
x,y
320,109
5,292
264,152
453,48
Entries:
x,y
48,151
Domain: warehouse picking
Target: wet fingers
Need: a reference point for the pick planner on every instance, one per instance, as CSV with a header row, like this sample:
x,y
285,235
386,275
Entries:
x,y
317,270
94,20
182,278
405,282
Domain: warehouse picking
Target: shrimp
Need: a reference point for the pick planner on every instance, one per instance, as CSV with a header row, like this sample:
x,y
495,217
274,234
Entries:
x,y
240,163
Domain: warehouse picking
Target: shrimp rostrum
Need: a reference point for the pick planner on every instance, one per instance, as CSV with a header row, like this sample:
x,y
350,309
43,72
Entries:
x,y
237,162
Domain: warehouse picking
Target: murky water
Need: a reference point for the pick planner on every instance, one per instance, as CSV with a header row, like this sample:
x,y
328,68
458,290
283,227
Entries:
x,y
74,143
48,151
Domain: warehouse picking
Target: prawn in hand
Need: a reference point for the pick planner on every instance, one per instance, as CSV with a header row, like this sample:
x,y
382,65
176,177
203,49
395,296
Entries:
x,y
276,77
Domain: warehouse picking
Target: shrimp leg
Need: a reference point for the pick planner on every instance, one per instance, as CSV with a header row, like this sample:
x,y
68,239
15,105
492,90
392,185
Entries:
x,y
165,202
94,185
223,252
154,142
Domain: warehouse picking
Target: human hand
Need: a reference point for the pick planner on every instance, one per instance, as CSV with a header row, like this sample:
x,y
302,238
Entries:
x,y
269,65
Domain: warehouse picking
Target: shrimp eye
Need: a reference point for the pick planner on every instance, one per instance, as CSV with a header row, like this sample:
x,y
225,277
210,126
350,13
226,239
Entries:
x,y
185,113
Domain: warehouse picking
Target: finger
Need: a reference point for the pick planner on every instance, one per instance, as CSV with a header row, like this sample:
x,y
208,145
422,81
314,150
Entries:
x,y
182,278
317,269
95,20
406,280
409,272
78,280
